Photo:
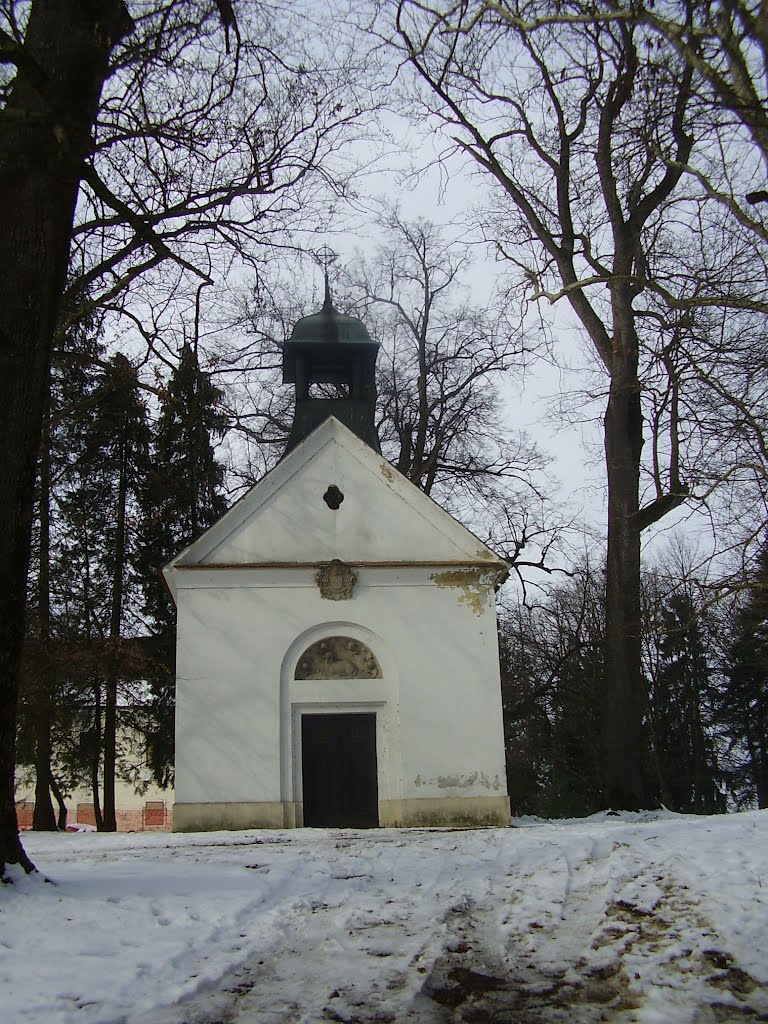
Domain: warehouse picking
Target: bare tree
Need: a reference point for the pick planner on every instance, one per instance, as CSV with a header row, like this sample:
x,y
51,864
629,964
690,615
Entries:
x,y
552,666
214,143
586,137
704,377
726,44
246,362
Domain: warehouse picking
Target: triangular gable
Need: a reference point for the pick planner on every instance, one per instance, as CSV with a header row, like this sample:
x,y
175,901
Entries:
x,y
383,517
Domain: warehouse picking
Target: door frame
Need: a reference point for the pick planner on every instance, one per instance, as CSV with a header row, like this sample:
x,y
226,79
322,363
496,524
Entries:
x,y
298,710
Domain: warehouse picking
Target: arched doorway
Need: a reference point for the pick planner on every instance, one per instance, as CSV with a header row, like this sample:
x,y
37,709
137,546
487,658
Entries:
x,y
339,763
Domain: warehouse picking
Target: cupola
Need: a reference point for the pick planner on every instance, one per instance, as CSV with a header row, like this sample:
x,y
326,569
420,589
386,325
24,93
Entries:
x,y
331,360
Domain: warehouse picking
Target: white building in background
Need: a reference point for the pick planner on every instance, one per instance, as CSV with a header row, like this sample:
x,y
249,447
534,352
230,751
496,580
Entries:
x,y
140,805
337,660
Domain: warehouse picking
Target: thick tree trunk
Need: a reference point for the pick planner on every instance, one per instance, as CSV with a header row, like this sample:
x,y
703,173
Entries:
x,y
622,726
44,139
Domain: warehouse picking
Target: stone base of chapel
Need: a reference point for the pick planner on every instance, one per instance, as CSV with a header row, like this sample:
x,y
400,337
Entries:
x,y
421,812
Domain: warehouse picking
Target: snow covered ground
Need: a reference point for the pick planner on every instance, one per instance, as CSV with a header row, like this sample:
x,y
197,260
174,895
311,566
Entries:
x,y
652,918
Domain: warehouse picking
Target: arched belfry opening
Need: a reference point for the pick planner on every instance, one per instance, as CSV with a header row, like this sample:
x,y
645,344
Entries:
x,y
330,358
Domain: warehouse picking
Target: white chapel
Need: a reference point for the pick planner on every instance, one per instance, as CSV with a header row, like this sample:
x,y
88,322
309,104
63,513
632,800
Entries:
x,y
337,660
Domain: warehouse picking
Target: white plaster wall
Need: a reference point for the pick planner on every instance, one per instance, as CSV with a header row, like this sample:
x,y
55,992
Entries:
x,y
240,633
228,695
450,706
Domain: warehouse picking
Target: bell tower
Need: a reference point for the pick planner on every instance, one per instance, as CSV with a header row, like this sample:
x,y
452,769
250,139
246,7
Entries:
x,y
329,348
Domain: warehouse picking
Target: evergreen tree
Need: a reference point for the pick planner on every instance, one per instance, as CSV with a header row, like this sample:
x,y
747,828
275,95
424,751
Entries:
x,y
552,660
181,498
95,571
680,702
742,706
123,448
45,690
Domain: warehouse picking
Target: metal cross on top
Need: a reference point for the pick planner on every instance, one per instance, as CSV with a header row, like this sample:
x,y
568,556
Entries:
x,y
326,257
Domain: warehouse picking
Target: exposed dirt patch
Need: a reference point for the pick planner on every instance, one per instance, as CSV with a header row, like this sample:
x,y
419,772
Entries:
x,y
472,986
726,1014
463,984
469,985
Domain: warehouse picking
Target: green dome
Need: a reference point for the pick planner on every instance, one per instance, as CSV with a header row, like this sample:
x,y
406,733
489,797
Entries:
x,y
330,326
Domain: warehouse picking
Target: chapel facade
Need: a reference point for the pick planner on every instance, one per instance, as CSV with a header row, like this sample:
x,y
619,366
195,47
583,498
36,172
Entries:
x,y
337,659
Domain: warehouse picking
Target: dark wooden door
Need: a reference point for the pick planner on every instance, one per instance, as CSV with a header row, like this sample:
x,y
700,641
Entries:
x,y
338,768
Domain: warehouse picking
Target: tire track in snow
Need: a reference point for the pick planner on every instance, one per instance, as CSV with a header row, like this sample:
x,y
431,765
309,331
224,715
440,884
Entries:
x,y
360,954
515,946
353,951
578,959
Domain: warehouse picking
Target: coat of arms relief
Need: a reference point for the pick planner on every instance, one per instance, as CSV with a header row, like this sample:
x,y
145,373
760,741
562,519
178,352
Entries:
x,y
336,580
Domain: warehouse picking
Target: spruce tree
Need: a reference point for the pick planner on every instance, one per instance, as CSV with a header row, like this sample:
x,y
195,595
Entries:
x,y
680,712
45,691
123,448
95,580
742,707
181,498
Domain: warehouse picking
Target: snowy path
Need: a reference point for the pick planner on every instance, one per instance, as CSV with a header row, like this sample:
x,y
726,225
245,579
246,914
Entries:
x,y
657,920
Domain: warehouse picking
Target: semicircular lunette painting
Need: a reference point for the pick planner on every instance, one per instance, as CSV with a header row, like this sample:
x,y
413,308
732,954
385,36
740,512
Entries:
x,y
338,657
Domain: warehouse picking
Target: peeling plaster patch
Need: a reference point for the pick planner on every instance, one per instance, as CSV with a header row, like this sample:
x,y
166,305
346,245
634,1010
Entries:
x,y
479,779
457,781
469,582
